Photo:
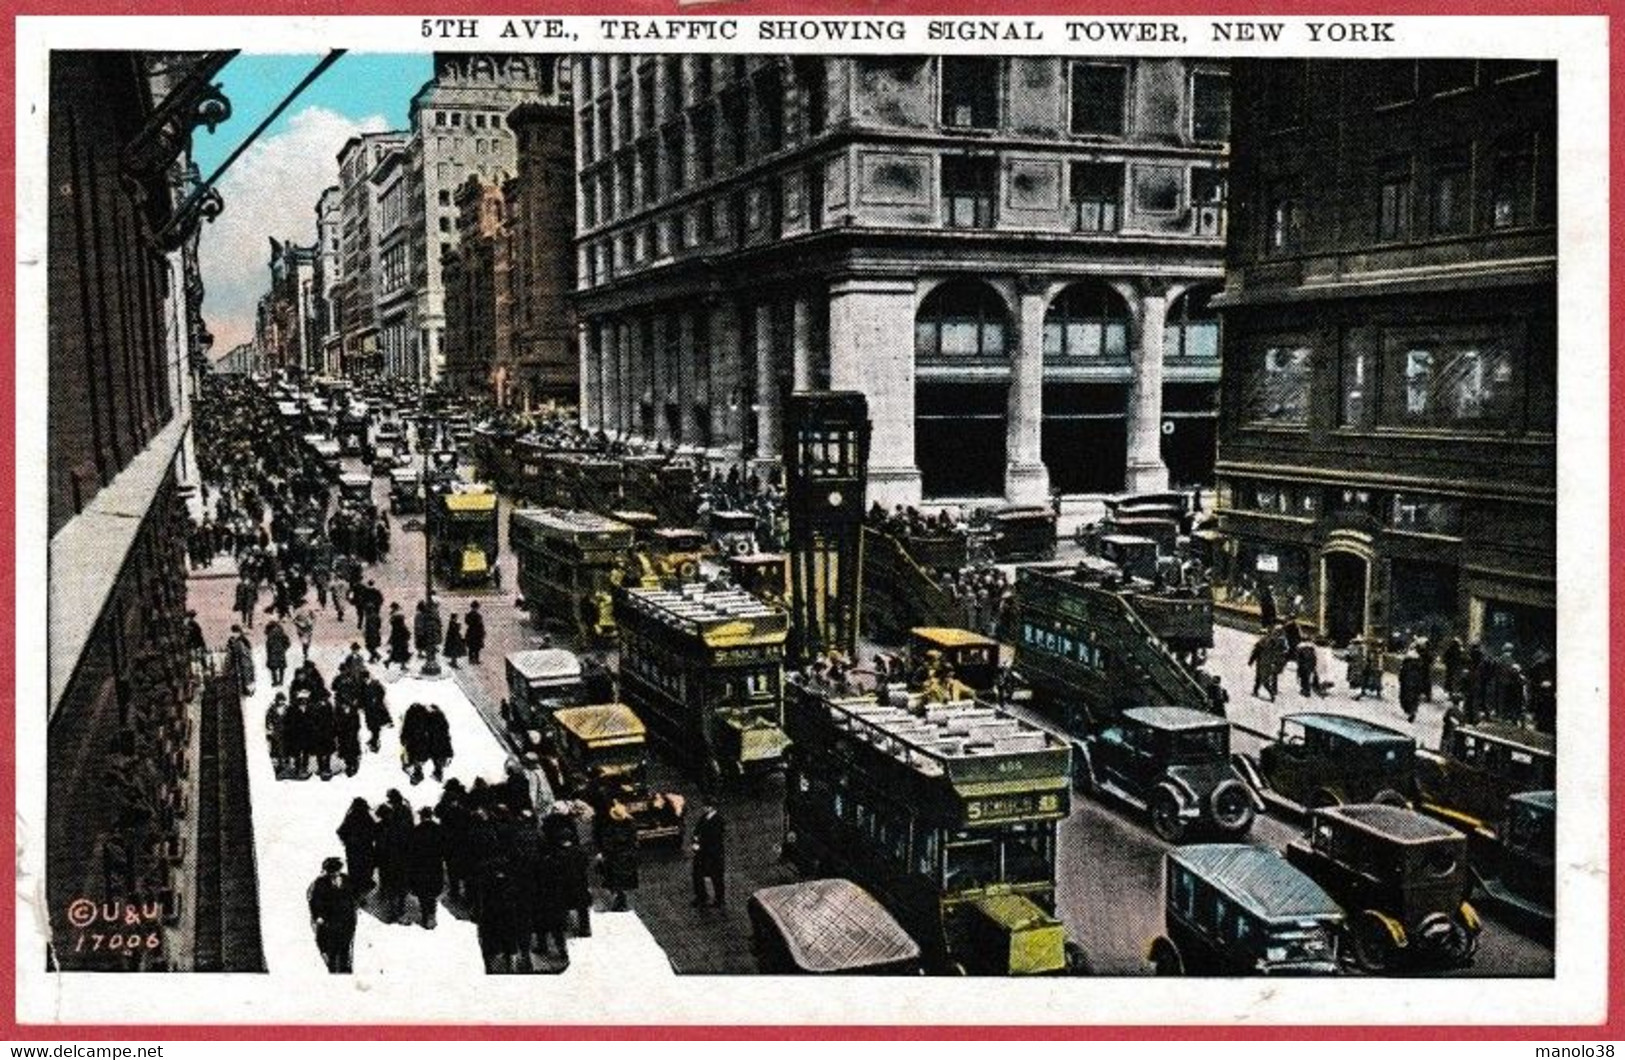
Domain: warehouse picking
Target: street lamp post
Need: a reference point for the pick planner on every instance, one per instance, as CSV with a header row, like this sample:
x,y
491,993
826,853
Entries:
x,y
431,656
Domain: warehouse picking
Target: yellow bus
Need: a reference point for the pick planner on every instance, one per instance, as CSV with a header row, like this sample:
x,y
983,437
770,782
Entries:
x,y
570,564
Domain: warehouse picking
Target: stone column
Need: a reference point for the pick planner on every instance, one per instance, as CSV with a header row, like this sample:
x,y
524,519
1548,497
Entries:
x,y
727,400
768,442
590,397
871,350
1026,479
1146,473
803,344
660,387
690,375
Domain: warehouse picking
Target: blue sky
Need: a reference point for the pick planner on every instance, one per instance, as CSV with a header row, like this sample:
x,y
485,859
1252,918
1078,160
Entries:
x,y
271,191
357,86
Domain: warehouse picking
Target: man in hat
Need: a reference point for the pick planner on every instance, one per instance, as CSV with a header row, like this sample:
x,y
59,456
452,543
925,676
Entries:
x,y
332,915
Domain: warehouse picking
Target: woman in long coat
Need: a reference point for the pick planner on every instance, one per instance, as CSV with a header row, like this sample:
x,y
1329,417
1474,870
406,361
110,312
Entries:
x,y
296,734
394,844
415,740
275,717
619,850
359,834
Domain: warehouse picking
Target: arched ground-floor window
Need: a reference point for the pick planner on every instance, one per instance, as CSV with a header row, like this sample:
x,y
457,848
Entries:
x,y
959,438
1085,436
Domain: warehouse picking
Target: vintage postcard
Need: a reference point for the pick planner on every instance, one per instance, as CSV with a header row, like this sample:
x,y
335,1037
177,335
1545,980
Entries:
x,y
575,519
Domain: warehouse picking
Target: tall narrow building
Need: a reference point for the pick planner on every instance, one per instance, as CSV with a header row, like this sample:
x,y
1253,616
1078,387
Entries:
x,y
1387,457
543,364
359,251
458,131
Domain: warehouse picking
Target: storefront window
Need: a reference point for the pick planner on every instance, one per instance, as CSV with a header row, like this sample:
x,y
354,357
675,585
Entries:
x,y
1424,514
1284,568
1451,380
1423,597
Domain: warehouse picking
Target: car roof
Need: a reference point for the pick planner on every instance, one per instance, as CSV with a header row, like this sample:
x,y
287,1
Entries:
x,y
835,925
604,721
1357,730
1259,880
1392,822
1520,736
951,637
1174,718
541,664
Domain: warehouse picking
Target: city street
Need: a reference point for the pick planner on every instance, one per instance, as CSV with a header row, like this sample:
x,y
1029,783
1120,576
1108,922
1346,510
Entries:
x,y
1109,865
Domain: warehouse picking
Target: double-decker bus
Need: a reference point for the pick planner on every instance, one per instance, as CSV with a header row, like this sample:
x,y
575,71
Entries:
x,y
1091,644
570,564
946,812
704,667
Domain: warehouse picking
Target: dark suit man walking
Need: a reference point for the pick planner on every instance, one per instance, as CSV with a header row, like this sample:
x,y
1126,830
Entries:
x,y
710,860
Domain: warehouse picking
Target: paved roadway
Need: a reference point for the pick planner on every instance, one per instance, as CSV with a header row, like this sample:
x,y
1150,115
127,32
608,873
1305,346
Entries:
x,y
1110,862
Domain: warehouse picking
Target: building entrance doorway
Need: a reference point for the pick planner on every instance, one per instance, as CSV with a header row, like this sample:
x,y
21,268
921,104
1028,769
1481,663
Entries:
x,y
1345,586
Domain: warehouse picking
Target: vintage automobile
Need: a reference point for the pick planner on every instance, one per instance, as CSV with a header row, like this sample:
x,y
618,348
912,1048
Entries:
x,y
604,759
973,658
1235,909
1135,556
828,927
463,536
1401,877
1023,533
667,557
732,533
1174,763
1326,759
405,492
1516,866
540,681
765,575
355,490
1478,766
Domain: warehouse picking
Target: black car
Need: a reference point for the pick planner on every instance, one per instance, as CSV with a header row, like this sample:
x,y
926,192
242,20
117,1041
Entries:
x,y
1403,879
1234,909
1173,762
1327,759
1516,864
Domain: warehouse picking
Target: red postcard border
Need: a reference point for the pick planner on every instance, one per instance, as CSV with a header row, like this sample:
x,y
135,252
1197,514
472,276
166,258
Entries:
x,y
1613,1026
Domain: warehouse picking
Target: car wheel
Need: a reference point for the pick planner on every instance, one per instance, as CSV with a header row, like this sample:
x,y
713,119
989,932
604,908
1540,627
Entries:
x,y
1390,797
1165,820
1373,945
1165,958
1232,807
1449,938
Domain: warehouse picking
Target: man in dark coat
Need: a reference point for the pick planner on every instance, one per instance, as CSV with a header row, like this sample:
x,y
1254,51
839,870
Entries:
x,y
372,633
619,851
347,737
1266,606
332,915
415,740
374,710
240,659
394,844
359,834
427,630
323,734
710,855
575,887
400,639
426,872
437,739
474,633
277,643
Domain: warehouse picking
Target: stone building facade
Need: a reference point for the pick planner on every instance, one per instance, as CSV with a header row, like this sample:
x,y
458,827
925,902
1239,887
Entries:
x,y
359,251
1010,257
125,339
1387,452
479,292
329,232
